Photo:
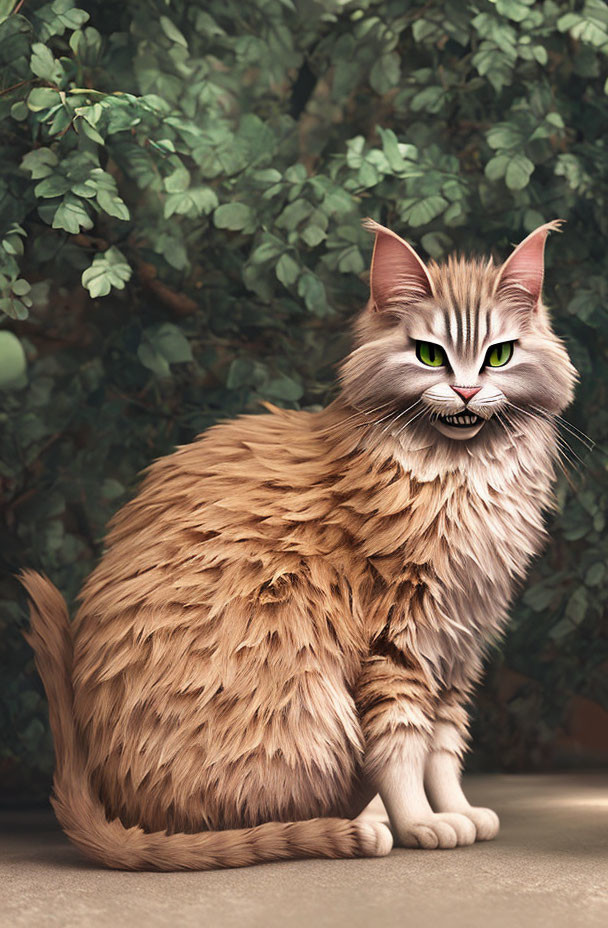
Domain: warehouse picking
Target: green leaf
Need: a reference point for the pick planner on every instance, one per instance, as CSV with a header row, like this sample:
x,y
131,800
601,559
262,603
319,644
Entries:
x,y
422,211
6,8
204,200
540,53
180,203
12,360
153,360
69,17
62,119
539,597
90,131
233,216
44,65
517,10
576,608
172,32
42,98
171,343
266,177
313,235
177,181
270,248
368,176
21,287
391,148
239,373
519,170
595,574
422,30
54,186
504,136
72,216
113,205
430,99
287,270
173,251
283,388
19,111
108,270
436,244
112,489
385,73
313,291
294,214
496,167
193,202
351,261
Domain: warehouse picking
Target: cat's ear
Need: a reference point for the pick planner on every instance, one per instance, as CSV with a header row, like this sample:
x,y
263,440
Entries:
x,y
397,274
521,276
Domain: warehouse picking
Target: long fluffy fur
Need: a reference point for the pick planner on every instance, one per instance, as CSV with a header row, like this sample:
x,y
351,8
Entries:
x,y
83,817
292,601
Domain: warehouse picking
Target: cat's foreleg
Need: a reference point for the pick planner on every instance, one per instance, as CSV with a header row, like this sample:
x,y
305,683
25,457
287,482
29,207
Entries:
x,y
443,767
397,710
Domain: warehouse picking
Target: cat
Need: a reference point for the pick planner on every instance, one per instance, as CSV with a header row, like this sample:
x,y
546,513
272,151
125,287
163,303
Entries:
x,y
291,615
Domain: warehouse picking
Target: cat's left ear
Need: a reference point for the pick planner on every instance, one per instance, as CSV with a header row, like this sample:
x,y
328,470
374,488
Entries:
x,y
521,276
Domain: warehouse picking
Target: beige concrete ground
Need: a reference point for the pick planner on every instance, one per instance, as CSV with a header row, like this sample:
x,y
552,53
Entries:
x,y
549,867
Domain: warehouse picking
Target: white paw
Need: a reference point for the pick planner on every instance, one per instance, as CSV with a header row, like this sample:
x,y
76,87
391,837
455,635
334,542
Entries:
x,y
375,838
441,830
486,822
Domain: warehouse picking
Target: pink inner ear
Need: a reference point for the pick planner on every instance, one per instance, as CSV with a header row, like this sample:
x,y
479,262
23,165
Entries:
x,y
524,270
397,273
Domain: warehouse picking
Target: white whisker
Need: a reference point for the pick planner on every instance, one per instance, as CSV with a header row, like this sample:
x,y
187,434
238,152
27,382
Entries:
x,y
508,433
392,422
584,439
560,440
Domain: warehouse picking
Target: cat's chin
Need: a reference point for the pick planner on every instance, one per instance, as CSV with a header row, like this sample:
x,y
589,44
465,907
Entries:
x,y
458,432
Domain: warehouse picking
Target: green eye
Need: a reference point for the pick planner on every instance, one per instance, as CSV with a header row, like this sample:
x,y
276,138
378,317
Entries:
x,y
498,355
430,354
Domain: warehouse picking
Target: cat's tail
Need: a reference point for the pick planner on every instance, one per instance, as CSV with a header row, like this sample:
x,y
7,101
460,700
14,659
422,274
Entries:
x,y
82,816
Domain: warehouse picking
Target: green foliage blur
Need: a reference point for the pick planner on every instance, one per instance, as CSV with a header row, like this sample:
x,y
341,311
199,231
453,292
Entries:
x,y
181,195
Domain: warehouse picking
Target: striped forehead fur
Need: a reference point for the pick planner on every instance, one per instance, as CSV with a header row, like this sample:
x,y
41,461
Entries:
x,y
463,281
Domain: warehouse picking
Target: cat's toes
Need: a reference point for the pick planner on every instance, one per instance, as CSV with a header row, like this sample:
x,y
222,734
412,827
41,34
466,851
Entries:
x,y
421,836
465,828
375,838
443,831
486,822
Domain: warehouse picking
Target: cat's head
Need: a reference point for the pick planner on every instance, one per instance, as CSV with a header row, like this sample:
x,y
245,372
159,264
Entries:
x,y
459,350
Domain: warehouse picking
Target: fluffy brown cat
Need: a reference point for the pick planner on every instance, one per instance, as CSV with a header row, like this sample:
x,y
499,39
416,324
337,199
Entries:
x,y
292,613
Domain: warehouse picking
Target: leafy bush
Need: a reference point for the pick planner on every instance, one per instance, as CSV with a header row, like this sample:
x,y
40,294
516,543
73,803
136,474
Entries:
x,y
181,197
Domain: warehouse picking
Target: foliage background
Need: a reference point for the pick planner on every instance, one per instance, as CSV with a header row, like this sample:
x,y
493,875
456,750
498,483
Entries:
x,y
181,192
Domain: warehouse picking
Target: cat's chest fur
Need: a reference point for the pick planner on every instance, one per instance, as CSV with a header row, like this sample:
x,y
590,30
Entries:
x,y
448,549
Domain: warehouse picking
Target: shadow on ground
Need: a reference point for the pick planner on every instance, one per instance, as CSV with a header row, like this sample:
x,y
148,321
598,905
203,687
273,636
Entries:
x,y
549,866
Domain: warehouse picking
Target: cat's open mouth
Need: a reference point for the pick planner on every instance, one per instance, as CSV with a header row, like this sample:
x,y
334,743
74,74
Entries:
x,y
461,420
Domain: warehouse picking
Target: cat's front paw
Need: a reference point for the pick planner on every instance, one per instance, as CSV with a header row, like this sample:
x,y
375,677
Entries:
x,y
486,822
441,830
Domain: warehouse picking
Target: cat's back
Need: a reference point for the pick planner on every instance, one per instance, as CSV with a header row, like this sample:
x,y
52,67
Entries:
x,y
220,498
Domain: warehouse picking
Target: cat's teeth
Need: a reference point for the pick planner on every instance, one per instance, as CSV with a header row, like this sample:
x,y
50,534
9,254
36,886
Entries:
x,y
461,419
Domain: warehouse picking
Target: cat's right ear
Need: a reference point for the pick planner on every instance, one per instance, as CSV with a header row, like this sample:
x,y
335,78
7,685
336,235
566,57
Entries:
x,y
397,274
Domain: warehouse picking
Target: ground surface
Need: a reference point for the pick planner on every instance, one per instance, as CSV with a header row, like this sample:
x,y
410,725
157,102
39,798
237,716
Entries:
x,y
548,867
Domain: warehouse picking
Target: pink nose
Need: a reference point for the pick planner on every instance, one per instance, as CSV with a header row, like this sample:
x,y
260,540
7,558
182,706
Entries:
x,y
465,392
